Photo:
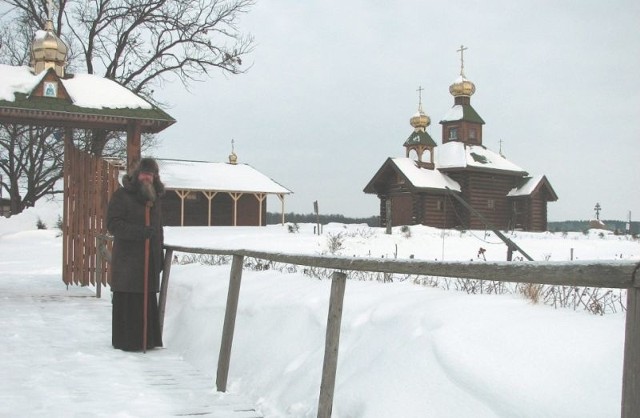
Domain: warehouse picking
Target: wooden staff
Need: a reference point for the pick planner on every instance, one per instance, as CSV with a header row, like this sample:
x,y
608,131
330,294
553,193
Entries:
x,y
145,303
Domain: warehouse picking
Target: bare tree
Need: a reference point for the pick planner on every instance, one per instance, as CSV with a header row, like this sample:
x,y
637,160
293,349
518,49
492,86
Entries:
x,y
141,44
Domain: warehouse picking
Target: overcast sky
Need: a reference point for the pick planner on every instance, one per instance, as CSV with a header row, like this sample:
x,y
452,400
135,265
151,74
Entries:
x,y
332,86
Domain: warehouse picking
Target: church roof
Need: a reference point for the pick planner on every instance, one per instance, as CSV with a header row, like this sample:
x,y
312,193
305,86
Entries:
x,y
462,112
529,185
216,176
89,96
457,155
418,177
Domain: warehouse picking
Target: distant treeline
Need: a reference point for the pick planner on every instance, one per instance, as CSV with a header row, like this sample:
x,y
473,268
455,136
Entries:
x,y
580,226
374,221
275,218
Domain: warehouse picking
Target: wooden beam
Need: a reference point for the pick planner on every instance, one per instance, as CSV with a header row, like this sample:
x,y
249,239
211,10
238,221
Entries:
x,y
134,145
235,197
209,195
183,195
261,197
331,345
631,364
224,358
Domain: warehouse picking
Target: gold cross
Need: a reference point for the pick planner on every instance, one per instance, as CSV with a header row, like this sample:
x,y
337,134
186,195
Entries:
x,y
50,11
232,146
461,51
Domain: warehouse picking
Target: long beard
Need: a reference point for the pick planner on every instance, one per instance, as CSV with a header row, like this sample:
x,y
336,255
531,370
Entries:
x,y
148,191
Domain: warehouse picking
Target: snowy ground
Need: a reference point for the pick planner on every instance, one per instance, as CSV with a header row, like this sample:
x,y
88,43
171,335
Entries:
x,y
405,350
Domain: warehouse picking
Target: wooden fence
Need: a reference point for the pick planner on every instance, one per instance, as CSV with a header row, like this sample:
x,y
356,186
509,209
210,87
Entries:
x,y
620,275
89,182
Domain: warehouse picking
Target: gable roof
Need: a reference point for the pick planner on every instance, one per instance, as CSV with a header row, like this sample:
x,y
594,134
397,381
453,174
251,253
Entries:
x,y
215,176
94,102
463,112
530,185
420,137
458,155
419,178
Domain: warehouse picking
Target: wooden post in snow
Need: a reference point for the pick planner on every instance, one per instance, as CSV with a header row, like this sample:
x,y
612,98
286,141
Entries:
x,y
331,345
229,323
631,363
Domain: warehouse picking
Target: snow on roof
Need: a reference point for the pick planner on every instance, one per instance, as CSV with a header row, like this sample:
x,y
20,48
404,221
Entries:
x,y
527,187
85,90
423,177
17,80
456,154
214,176
455,113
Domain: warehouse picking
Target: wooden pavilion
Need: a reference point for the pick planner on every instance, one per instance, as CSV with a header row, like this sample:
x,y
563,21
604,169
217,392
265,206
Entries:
x,y
202,193
43,95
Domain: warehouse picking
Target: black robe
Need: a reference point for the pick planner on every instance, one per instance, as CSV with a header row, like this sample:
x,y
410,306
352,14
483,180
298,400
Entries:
x,y
126,221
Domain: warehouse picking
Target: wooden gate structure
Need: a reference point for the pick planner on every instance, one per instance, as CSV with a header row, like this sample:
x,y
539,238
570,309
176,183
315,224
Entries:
x,y
89,182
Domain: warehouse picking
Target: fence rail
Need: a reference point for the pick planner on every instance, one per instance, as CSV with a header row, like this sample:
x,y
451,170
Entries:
x,y
616,274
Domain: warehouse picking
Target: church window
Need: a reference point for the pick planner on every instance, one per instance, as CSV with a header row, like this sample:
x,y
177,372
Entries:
x,y
491,204
439,205
453,134
192,196
472,134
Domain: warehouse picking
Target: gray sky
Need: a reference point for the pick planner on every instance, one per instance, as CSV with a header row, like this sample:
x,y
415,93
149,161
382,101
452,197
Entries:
x,y
333,84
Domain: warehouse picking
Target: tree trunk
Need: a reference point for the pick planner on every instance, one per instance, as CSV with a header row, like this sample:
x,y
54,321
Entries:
x,y
99,140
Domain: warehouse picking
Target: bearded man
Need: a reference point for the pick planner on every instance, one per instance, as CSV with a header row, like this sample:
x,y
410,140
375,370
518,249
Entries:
x,y
126,221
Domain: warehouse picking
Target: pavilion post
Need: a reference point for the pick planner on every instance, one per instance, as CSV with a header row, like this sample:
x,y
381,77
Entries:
x,y
134,145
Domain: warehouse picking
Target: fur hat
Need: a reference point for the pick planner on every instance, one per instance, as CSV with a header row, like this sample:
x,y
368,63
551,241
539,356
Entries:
x,y
148,165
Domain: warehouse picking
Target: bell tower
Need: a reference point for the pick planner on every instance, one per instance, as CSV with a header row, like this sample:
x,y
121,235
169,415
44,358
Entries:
x,y
420,140
462,123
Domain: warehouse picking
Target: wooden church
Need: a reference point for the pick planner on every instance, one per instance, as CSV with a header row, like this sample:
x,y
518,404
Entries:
x,y
432,183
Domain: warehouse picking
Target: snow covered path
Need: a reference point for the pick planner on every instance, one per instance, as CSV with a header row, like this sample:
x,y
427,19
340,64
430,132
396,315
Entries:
x,y
57,359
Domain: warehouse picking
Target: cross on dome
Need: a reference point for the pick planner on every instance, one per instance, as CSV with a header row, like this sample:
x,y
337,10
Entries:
x,y
461,51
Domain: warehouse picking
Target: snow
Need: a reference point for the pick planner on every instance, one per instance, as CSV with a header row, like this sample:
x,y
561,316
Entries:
x,y
455,113
422,177
16,80
85,90
527,188
405,351
200,175
456,154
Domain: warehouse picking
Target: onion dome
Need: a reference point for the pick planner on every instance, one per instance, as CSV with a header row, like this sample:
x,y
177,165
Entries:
x,y
48,51
420,120
462,87
233,158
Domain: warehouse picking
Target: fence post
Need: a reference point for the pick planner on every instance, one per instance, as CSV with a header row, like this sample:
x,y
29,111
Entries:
x,y
331,345
229,323
100,243
164,286
631,364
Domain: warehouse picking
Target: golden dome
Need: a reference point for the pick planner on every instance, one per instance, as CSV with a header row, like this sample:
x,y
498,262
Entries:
x,y
420,120
462,87
48,51
233,158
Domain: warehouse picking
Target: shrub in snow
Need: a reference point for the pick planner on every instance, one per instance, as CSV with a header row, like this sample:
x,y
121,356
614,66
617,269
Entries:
x,y
40,224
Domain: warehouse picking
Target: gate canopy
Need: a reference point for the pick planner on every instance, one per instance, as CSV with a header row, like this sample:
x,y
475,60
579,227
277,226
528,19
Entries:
x,y
83,101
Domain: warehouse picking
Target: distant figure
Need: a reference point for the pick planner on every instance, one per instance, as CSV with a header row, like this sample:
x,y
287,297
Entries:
x,y
126,220
481,252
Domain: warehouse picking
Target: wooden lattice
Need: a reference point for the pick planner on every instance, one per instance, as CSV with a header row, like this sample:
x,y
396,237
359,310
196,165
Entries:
x,y
89,182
